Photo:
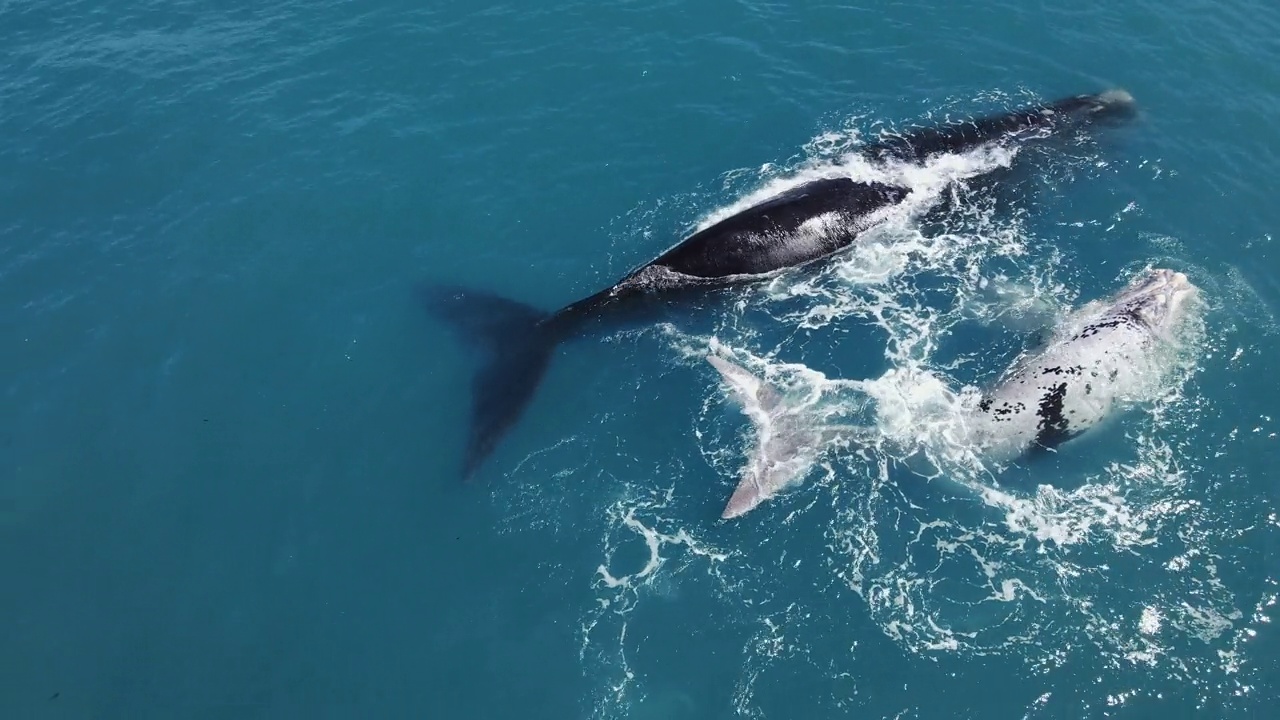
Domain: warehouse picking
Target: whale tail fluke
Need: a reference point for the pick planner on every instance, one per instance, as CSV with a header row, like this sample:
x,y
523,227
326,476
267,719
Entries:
x,y
786,440
515,347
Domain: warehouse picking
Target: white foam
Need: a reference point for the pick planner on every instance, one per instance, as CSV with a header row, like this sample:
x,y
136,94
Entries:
x,y
926,182
980,567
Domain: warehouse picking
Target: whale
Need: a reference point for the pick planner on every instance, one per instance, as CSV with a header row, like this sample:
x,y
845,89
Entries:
x,y
794,228
1104,356
1101,357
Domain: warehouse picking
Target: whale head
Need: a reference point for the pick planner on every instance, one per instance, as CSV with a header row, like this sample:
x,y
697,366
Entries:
x,y
1116,105
1158,298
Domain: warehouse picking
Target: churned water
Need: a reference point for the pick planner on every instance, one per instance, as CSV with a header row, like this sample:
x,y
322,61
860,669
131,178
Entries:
x,y
231,435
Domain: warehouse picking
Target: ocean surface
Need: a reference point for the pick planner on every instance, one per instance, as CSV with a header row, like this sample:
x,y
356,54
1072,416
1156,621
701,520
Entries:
x,y
231,435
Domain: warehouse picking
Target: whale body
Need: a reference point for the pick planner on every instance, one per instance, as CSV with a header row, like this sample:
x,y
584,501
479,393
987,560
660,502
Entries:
x,y
799,226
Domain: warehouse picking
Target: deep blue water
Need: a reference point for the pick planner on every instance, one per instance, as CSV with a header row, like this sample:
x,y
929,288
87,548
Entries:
x,y
231,435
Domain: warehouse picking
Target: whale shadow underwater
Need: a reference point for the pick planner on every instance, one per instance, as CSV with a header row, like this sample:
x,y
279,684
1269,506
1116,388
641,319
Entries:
x,y
795,228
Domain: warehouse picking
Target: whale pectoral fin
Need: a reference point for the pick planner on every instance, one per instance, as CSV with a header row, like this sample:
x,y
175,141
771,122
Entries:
x,y
748,389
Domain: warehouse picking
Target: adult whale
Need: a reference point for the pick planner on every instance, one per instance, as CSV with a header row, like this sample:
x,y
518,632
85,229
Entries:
x,y
1102,357
803,224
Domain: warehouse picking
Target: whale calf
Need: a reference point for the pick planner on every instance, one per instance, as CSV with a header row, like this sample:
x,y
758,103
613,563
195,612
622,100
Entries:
x,y
801,225
1095,361
1099,358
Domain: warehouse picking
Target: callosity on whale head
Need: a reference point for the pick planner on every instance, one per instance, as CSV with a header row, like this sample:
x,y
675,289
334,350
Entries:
x,y
1157,298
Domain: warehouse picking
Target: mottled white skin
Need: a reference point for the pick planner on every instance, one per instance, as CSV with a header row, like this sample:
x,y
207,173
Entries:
x,y
1101,355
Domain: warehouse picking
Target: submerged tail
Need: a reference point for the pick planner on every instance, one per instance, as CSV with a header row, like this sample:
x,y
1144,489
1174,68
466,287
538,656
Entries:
x,y
516,347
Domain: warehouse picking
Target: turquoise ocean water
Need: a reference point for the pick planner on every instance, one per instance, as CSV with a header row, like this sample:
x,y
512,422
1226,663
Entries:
x,y
231,435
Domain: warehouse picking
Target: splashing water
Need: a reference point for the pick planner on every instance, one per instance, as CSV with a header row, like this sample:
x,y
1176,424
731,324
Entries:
x,y
908,529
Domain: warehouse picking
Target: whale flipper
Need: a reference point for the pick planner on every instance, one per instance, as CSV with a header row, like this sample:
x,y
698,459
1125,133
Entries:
x,y
516,347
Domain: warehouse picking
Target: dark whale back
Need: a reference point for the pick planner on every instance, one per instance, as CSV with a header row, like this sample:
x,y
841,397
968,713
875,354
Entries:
x,y
1077,110
767,237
